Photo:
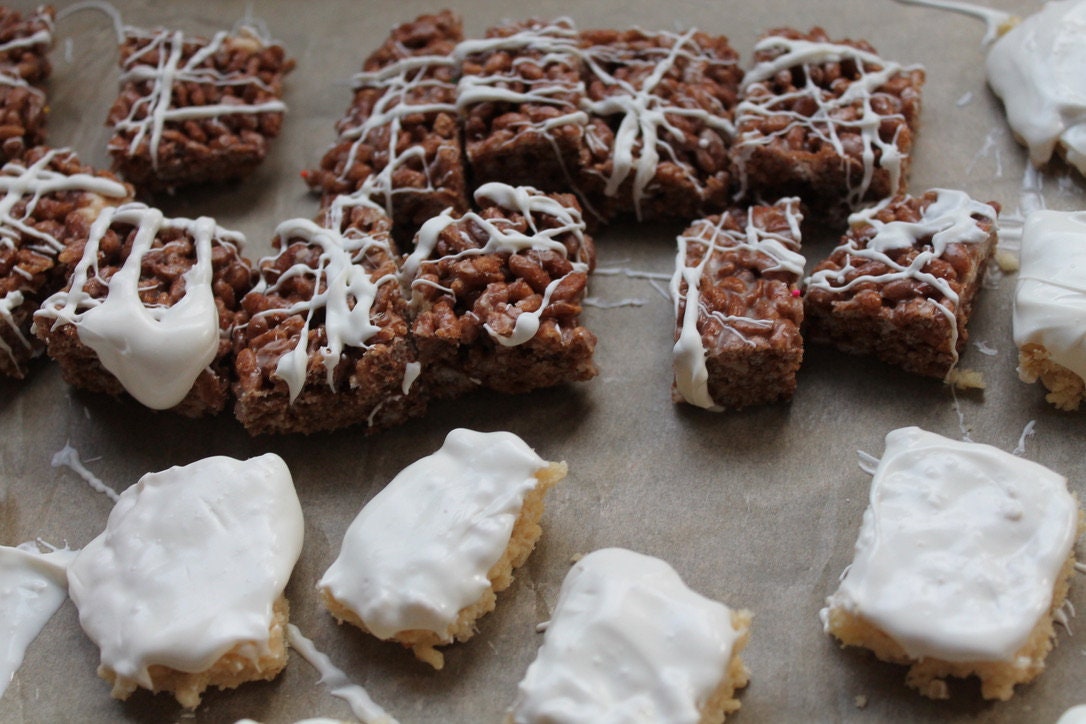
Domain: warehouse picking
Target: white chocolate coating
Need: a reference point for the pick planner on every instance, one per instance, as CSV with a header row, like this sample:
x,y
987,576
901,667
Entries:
x,y
948,219
191,561
1036,69
420,550
689,353
828,118
1050,296
959,549
628,641
33,585
155,352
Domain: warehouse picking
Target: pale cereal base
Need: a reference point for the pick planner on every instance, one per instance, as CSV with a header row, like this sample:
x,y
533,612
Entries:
x,y
723,701
1066,390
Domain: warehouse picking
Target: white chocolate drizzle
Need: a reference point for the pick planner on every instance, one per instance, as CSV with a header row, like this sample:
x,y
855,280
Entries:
x,y
641,140
33,585
959,549
189,566
1050,296
503,238
149,115
42,36
689,352
1036,69
947,220
156,352
344,293
827,118
994,20
420,550
628,641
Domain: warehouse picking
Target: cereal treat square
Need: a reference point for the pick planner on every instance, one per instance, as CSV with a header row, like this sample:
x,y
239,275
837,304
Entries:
x,y
399,140
184,589
497,294
738,307
195,111
148,309
660,107
901,283
962,564
520,95
828,121
1050,305
25,42
323,343
49,200
427,556
629,637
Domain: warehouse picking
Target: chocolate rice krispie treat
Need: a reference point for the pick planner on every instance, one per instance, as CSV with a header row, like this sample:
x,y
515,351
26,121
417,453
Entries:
x,y
48,199
660,107
324,339
738,307
497,294
901,283
193,110
399,140
25,42
148,309
829,121
520,95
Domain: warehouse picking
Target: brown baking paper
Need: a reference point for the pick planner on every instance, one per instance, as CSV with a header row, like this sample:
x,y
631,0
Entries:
x,y
758,509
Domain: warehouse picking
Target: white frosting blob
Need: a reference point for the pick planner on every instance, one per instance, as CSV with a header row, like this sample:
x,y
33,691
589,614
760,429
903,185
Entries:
x,y
628,642
959,548
155,352
420,550
1050,297
33,585
1074,715
1037,70
189,566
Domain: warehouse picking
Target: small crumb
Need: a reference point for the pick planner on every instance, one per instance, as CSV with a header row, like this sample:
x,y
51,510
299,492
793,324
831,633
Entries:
x,y
1007,261
1008,25
860,700
575,557
966,379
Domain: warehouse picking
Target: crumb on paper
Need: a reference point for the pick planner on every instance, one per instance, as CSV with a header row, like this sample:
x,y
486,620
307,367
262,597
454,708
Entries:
x,y
966,379
575,557
1007,261
860,700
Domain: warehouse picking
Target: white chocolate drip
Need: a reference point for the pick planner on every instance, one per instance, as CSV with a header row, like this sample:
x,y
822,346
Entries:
x,y
828,117
949,219
959,549
42,36
344,293
689,353
149,115
189,566
628,641
33,585
420,550
994,20
642,134
156,352
503,238
1036,69
1050,298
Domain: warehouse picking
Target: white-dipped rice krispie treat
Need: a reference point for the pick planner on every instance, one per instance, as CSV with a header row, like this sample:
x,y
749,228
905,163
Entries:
x,y
962,562
184,588
629,641
425,558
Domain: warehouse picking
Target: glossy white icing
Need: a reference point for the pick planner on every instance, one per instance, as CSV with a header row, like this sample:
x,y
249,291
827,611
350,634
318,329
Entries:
x,y
156,352
829,115
949,219
344,293
689,353
420,550
362,705
641,139
148,116
502,237
191,561
959,548
33,585
1050,296
1036,69
628,641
